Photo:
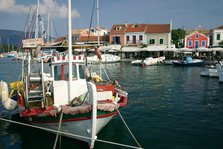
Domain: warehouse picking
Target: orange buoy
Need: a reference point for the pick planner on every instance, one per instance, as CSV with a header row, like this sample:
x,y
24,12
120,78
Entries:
x,y
97,52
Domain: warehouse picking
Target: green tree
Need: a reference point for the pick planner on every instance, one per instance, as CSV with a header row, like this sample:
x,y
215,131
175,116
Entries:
x,y
177,36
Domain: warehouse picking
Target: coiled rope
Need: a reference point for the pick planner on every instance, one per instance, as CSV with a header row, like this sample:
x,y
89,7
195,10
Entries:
x,y
69,134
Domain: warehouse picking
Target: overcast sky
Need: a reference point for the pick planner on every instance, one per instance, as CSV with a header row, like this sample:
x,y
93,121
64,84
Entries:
x,y
183,13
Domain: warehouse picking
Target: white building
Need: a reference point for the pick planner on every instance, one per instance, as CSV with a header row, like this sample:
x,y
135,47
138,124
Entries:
x,y
216,36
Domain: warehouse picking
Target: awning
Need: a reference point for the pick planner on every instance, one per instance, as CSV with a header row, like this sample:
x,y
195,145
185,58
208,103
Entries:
x,y
202,49
185,50
216,49
131,49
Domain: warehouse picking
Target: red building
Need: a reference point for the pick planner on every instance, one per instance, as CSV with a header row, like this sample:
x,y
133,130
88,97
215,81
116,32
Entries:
x,y
196,40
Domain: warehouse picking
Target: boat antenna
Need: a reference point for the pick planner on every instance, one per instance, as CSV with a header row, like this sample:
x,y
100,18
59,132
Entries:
x,y
37,25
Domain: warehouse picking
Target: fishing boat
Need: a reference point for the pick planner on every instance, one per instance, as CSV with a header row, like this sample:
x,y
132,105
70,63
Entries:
x,y
11,55
148,61
136,62
153,61
74,98
188,61
209,71
105,58
219,67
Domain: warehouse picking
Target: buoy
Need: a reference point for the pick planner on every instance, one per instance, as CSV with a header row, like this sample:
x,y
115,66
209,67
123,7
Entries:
x,y
7,102
97,52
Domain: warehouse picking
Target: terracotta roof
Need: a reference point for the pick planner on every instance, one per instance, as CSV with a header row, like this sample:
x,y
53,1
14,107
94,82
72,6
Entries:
x,y
203,31
118,29
62,38
92,38
147,28
81,32
195,32
136,28
220,27
158,28
78,31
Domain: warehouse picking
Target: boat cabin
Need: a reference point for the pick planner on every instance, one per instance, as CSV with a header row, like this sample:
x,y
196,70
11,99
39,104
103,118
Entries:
x,y
60,73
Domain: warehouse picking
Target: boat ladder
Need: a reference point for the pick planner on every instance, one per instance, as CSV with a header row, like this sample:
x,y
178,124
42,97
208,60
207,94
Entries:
x,y
34,90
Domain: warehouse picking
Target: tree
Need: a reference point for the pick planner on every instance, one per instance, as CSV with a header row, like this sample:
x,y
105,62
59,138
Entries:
x,y
177,36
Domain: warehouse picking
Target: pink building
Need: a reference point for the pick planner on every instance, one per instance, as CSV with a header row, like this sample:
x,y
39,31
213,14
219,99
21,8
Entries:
x,y
196,40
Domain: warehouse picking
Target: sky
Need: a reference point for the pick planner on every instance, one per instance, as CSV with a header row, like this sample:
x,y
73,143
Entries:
x,y
187,14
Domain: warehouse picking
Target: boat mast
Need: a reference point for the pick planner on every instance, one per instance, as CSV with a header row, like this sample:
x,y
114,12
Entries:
x,y
37,25
98,21
48,27
69,49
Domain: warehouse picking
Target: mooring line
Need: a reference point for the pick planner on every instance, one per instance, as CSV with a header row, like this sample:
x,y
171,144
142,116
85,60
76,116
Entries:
x,y
60,122
128,127
69,134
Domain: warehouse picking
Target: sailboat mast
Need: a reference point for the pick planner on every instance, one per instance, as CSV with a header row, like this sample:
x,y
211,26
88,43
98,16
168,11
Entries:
x,y
69,48
8,44
37,25
48,27
98,21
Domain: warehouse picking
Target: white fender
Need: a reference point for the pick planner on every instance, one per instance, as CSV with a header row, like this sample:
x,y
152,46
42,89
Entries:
x,y
7,102
93,101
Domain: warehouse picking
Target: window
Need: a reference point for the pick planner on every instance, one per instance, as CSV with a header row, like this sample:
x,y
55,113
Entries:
x,y
57,73
203,43
152,41
81,71
116,40
218,36
196,36
196,43
136,25
74,72
134,39
127,38
140,37
190,43
61,72
118,28
161,41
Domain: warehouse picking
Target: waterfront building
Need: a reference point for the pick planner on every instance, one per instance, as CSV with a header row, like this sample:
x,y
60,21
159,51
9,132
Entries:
x,y
142,40
159,36
216,36
196,40
83,36
117,34
135,34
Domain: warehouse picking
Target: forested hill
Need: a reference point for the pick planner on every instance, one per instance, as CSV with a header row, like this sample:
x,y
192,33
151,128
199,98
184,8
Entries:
x,y
10,37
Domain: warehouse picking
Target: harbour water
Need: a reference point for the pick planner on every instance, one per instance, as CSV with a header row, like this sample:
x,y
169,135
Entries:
x,y
168,107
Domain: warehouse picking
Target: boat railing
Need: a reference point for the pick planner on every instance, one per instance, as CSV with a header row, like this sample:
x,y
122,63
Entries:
x,y
65,58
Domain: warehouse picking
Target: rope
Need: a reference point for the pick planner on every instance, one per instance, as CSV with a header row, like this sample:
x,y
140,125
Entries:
x,y
69,134
128,127
58,131
92,14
